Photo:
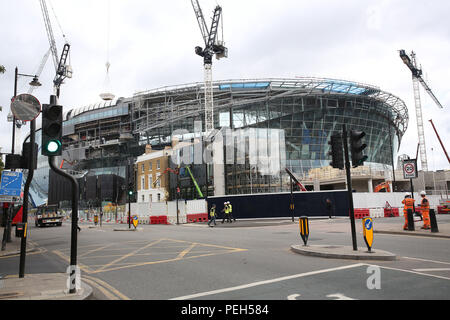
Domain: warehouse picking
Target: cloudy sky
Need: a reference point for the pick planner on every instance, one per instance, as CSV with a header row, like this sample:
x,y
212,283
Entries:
x,y
151,45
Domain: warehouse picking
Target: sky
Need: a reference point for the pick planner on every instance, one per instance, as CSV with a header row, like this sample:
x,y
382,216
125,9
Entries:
x,y
150,44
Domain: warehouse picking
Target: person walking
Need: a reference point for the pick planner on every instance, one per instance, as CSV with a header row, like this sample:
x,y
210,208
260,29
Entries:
x,y
230,210
408,204
212,214
78,226
425,208
226,212
329,206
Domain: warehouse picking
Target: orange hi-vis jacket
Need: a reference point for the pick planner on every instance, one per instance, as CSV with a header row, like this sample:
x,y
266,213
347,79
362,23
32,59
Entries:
x,y
409,204
425,205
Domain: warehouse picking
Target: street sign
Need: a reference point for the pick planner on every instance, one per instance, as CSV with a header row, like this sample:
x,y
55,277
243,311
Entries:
x,y
11,185
410,169
135,221
368,232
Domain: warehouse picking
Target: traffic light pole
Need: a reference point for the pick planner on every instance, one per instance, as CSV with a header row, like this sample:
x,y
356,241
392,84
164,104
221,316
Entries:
x,y
349,187
31,160
74,235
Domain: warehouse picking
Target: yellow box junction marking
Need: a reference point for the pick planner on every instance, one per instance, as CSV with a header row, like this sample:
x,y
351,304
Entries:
x,y
180,251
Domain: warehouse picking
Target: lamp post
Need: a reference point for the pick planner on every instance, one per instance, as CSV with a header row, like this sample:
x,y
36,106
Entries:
x,y
34,83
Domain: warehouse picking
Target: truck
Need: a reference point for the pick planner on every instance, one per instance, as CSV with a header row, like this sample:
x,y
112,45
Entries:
x,y
48,215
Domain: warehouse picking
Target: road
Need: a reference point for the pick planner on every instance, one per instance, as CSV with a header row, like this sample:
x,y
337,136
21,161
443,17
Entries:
x,y
242,261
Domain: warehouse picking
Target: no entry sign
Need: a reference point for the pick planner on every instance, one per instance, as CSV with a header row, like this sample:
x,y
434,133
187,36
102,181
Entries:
x,y
410,169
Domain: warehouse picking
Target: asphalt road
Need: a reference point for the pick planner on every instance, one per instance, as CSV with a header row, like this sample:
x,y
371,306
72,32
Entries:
x,y
247,260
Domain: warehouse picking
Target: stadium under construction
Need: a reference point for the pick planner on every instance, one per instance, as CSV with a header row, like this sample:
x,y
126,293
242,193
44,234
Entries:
x,y
265,125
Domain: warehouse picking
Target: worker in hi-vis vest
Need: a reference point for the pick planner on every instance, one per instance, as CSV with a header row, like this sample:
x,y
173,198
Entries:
x,y
230,210
226,211
408,204
425,208
212,214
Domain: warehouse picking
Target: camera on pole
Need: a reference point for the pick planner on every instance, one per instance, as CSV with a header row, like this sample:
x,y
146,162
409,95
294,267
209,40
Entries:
x,y
357,147
51,130
336,152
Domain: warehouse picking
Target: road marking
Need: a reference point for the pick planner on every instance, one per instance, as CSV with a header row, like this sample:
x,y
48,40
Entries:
x,y
259,283
427,260
339,296
433,269
66,258
105,288
415,272
128,255
293,296
185,251
93,250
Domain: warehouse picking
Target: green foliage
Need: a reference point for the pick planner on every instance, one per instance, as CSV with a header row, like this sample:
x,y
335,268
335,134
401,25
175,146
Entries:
x,y
2,69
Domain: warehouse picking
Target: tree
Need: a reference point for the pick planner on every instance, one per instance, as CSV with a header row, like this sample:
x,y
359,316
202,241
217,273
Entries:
x,y
2,69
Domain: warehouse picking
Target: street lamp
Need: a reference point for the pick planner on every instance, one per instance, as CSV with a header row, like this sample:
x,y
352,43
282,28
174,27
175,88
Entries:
x,y
35,83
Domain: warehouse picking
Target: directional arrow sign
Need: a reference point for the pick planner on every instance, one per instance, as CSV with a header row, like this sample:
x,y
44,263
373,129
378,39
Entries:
x,y
11,184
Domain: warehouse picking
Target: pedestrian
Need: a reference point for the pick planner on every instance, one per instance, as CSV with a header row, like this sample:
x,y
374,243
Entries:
x,y
226,212
230,210
212,214
329,206
78,218
425,208
408,204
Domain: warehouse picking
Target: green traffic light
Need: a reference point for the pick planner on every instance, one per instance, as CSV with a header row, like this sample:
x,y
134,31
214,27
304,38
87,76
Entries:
x,y
53,146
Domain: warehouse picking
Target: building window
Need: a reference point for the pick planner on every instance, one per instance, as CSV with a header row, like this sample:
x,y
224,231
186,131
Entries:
x,y
150,166
143,167
143,198
158,164
159,197
142,183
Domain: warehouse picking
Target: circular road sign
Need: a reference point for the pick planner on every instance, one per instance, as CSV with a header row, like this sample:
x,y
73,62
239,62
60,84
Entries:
x,y
25,107
409,168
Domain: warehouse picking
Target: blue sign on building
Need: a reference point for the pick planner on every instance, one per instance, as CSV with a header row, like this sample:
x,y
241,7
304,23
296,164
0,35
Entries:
x,y
11,184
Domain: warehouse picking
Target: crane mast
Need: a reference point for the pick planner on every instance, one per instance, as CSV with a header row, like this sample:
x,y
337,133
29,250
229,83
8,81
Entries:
x,y
51,38
417,78
212,46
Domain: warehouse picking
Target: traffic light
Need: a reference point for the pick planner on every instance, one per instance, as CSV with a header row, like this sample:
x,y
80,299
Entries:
x,y
51,130
336,152
357,147
130,190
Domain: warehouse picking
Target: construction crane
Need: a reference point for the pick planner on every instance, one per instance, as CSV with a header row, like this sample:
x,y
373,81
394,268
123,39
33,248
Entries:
x,y
212,46
417,78
440,141
41,67
62,69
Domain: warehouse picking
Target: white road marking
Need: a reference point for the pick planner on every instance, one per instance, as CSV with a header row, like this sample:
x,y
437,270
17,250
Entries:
x,y
432,269
427,260
415,272
259,283
293,297
339,296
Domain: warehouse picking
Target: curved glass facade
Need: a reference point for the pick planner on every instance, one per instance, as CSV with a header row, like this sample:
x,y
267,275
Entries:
x,y
307,111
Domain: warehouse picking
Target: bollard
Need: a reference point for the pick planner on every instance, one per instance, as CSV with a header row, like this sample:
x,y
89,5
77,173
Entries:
x,y
410,220
433,221
304,228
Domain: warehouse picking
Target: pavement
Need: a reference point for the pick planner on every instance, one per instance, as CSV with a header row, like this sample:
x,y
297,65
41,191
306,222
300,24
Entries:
x,y
380,225
43,286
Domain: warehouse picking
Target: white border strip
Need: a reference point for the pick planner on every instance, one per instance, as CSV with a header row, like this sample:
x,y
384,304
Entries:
x,y
259,283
